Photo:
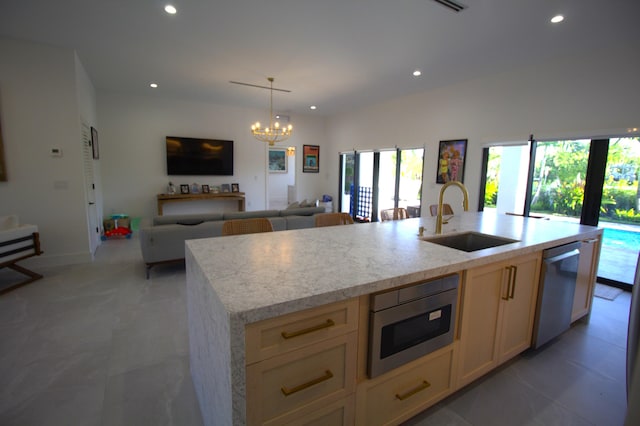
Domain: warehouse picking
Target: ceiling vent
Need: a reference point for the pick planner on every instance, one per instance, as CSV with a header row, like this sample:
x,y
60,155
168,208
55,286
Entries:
x,y
450,4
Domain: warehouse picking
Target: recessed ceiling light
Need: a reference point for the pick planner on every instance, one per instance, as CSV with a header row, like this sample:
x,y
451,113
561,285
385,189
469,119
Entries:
x,y
417,73
170,9
153,85
557,19
313,107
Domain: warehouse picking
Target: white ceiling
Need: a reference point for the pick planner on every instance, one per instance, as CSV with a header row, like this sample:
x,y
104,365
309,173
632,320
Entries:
x,y
336,54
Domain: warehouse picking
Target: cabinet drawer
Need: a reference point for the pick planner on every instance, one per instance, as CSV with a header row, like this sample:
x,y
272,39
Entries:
x,y
339,413
276,336
289,386
395,397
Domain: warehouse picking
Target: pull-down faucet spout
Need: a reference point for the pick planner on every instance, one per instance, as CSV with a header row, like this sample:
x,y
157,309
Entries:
x,y
465,201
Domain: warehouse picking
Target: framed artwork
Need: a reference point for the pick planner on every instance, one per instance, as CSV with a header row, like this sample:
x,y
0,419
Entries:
x,y
184,189
310,159
205,189
451,160
225,187
94,143
277,160
235,187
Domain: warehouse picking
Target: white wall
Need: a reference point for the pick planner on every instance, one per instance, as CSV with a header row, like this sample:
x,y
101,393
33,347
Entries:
x,y
39,111
586,95
132,144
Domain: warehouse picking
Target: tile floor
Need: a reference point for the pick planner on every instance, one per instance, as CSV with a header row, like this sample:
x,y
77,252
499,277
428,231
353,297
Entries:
x,y
97,344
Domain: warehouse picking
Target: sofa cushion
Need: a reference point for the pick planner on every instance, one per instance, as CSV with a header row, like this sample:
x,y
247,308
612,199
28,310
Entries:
x,y
293,205
186,219
163,243
251,214
302,211
278,223
300,222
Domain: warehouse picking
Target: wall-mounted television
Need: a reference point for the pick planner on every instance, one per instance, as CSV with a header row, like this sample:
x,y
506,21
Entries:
x,y
195,156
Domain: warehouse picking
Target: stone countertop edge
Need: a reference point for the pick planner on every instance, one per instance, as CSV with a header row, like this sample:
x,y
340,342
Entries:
x,y
261,276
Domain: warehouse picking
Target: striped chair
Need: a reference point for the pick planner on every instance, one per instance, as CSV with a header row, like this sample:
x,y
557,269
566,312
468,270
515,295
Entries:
x,y
246,226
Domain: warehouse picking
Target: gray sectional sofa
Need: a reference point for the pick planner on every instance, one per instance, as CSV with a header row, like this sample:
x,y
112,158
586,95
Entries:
x,y
164,241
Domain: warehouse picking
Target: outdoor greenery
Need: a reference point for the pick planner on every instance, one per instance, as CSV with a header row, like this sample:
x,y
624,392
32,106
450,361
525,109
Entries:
x,y
559,173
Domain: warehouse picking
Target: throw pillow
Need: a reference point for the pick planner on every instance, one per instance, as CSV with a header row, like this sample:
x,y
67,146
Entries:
x,y
293,205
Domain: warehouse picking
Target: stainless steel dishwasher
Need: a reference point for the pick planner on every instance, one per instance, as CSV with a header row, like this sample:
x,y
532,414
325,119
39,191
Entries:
x,y
556,291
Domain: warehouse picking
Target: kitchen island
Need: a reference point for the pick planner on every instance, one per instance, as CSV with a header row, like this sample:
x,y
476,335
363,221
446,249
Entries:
x,y
235,282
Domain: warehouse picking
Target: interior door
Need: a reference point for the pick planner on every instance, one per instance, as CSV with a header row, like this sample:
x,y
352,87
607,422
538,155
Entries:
x,y
90,190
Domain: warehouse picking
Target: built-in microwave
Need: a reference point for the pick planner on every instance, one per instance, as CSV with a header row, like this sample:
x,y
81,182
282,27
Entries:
x,y
410,322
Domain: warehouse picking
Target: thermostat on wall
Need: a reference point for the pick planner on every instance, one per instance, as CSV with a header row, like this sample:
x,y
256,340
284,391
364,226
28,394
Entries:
x,y
56,152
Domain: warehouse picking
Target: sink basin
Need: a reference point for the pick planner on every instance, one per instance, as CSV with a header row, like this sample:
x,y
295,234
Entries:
x,y
469,241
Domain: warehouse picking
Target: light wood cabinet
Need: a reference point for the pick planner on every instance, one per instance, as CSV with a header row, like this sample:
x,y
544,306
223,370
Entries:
x,y
586,281
404,392
301,368
498,308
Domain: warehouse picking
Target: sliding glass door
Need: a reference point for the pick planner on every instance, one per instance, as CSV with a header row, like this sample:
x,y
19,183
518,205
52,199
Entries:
x,y
620,212
374,181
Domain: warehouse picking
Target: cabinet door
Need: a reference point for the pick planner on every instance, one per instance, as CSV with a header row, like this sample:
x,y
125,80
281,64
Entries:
x,y
587,269
481,314
523,275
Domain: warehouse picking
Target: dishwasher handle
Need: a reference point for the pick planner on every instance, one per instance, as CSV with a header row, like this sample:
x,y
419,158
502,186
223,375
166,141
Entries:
x,y
562,256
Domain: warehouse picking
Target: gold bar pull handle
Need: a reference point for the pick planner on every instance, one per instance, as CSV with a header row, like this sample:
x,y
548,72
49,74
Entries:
x,y
508,268
513,282
326,376
422,386
290,335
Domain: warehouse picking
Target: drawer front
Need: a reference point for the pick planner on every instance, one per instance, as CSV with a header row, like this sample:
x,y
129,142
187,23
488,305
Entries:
x,y
286,387
339,413
397,397
279,335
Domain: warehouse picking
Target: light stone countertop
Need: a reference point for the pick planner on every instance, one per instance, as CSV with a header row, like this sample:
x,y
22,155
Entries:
x,y
261,276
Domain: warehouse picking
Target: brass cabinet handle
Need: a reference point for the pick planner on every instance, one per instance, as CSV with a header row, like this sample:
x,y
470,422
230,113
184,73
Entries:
x,y
508,268
422,386
326,376
289,335
513,281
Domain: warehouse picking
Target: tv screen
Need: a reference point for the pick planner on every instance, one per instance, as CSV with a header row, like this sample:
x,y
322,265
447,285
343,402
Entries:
x,y
194,156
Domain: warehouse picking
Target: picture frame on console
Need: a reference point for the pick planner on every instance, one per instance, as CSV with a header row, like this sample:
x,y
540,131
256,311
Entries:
x,y
225,187
451,160
310,159
235,187
205,189
184,188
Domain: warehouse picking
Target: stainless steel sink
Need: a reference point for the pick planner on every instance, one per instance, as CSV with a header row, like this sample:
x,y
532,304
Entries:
x,y
469,241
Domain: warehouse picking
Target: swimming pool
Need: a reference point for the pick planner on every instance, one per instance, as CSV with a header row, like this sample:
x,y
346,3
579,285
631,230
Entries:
x,y
621,239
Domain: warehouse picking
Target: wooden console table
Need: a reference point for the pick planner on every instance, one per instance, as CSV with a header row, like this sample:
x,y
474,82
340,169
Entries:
x,y
179,198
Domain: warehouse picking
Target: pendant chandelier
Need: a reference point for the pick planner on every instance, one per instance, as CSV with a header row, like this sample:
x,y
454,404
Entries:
x,y
274,132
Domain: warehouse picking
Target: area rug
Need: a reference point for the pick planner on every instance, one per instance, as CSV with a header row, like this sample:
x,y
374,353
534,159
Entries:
x,y
606,292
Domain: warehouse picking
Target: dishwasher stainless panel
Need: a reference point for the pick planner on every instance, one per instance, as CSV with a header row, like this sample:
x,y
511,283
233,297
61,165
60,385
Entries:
x,y
556,291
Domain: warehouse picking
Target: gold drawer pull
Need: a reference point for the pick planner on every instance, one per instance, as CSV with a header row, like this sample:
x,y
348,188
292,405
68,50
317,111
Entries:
x,y
422,386
311,329
326,376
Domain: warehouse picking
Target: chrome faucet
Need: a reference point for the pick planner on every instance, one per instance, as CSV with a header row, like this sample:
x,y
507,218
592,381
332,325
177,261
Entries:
x,y
465,202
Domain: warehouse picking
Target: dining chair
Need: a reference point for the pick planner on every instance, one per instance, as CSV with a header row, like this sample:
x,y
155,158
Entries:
x,y
246,226
332,219
397,213
446,210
